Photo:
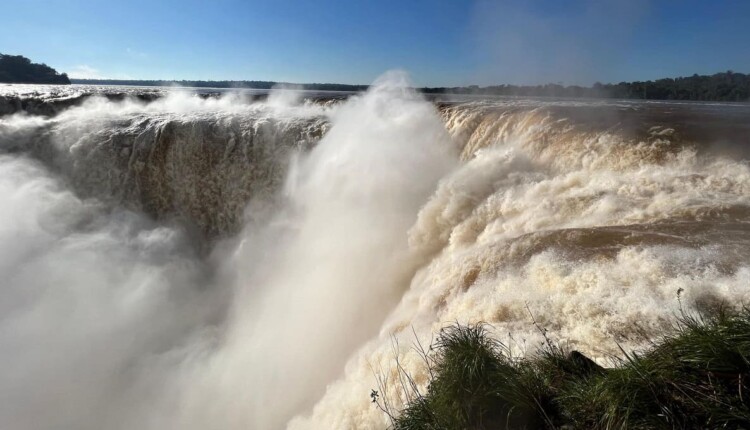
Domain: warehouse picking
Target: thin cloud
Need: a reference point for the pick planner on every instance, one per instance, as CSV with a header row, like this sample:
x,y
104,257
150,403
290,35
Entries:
x,y
133,53
84,71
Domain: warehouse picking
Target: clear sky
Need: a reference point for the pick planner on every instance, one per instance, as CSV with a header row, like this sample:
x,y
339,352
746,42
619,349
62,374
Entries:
x,y
448,42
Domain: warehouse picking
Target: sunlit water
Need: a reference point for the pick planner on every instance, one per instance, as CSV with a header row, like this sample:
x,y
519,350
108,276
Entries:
x,y
232,259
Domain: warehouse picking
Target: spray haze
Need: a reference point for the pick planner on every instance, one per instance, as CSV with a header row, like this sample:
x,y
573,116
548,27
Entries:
x,y
129,304
577,43
196,263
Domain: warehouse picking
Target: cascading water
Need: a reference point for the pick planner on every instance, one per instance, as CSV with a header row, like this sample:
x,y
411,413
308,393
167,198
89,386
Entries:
x,y
181,156
189,262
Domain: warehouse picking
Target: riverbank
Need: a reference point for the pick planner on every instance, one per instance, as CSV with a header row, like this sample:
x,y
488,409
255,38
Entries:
x,y
694,377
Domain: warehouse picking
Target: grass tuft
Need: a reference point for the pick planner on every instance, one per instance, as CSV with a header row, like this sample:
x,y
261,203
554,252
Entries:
x,y
695,377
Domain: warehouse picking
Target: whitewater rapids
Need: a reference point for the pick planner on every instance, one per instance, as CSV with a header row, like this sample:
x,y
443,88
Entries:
x,y
174,260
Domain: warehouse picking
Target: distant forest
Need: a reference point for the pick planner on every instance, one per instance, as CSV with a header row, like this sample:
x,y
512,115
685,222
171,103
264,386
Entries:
x,y
17,69
257,85
727,86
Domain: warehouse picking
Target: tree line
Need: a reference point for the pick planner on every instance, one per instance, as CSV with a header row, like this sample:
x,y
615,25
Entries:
x,y
256,85
17,69
727,86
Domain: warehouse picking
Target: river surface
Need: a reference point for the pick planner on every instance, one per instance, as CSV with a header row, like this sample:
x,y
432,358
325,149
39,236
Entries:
x,y
182,258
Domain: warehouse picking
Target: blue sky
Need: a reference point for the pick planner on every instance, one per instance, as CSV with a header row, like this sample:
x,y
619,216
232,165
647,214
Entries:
x,y
449,42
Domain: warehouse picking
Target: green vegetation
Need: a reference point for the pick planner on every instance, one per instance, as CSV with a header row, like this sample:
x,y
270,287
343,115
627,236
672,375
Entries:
x,y
17,69
696,377
257,85
728,86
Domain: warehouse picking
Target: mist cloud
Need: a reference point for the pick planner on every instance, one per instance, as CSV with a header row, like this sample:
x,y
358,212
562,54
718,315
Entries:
x,y
517,42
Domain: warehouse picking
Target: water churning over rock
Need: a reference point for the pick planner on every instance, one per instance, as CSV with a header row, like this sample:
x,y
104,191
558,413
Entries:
x,y
172,260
